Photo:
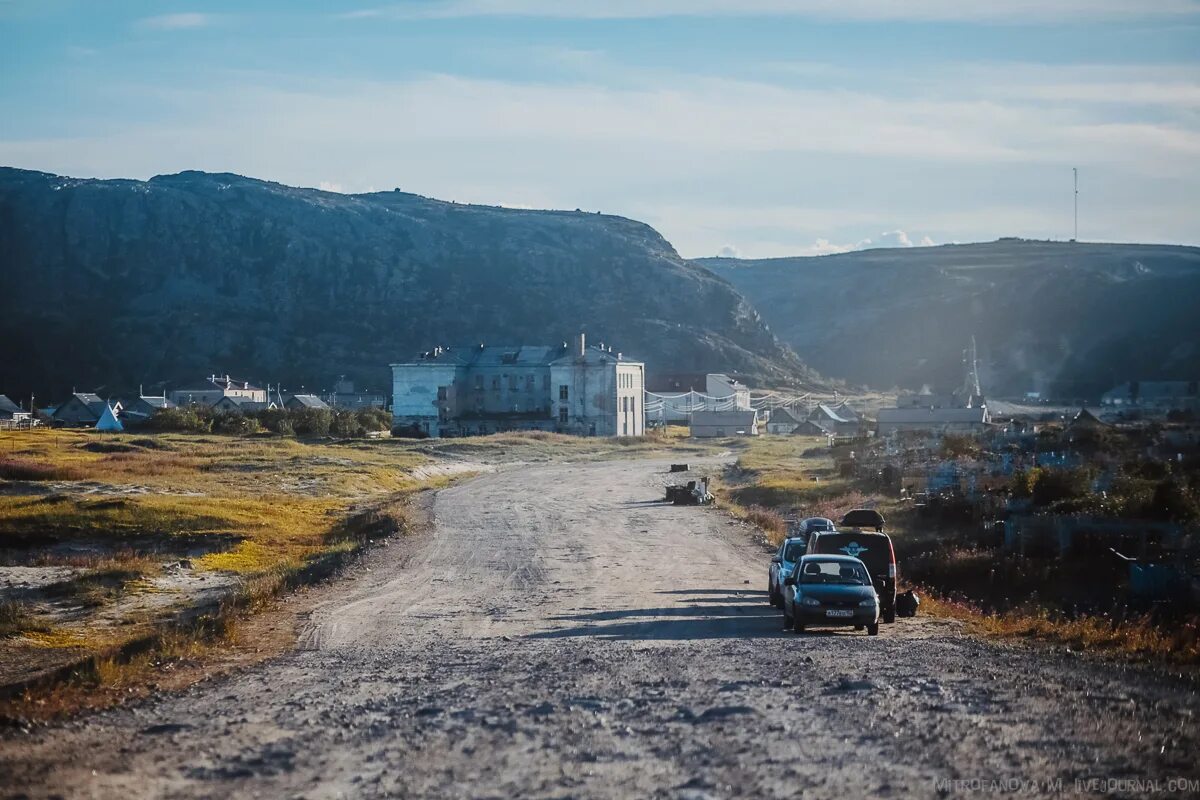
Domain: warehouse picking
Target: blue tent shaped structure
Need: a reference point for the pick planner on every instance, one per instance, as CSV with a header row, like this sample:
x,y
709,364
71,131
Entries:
x,y
108,420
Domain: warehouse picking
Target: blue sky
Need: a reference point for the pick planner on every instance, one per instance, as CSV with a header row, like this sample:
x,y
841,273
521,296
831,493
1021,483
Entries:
x,y
752,127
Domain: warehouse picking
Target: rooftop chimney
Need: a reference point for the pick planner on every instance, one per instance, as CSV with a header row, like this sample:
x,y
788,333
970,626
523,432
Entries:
x,y
580,344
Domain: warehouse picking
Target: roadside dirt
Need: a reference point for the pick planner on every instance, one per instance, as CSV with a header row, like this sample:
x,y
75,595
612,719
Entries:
x,y
562,633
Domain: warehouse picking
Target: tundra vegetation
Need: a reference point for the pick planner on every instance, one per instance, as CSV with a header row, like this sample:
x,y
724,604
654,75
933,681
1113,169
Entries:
x,y
952,552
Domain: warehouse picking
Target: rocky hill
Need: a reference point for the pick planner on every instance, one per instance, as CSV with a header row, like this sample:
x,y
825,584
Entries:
x,y
119,282
1069,318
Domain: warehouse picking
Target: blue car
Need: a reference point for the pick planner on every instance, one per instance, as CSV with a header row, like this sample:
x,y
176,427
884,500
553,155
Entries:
x,y
826,590
781,564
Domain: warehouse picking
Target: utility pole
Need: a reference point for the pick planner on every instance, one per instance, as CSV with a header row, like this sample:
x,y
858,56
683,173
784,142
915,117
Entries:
x,y
1075,176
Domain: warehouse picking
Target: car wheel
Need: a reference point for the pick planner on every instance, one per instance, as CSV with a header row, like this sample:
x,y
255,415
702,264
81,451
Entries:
x,y
873,629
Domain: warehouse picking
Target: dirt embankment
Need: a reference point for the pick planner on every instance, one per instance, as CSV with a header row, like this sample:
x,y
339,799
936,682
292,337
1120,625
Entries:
x,y
560,632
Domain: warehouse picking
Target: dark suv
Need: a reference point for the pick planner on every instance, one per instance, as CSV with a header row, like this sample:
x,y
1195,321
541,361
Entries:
x,y
874,550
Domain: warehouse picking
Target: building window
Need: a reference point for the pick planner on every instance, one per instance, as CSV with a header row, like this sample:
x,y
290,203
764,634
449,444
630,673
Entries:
x,y
441,393
563,394
512,383
562,414
496,384
529,383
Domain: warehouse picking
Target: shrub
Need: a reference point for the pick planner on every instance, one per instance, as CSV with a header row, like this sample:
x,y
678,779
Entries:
x,y
1173,502
235,424
185,419
1056,485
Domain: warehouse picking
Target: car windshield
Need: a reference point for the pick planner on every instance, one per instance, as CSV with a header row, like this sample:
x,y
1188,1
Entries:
x,y
844,572
794,550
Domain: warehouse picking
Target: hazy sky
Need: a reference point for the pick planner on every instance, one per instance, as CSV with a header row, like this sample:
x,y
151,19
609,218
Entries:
x,y
752,127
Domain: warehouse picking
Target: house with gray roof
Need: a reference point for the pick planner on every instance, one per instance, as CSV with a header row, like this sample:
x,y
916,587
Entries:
x,y
12,415
296,401
83,409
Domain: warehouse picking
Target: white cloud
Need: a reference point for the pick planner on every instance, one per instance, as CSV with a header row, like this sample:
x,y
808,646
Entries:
x,y
728,251
330,186
175,22
1017,11
813,169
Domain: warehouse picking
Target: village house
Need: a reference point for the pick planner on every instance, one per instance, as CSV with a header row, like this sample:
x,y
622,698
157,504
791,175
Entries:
x,y
577,389
716,424
719,385
13,416
144,406
216,387
297,401
836,422
345,396
782,422
83,409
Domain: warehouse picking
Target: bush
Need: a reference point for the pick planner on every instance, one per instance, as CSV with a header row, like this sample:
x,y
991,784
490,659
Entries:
x,y
1056,485
235,424
185,419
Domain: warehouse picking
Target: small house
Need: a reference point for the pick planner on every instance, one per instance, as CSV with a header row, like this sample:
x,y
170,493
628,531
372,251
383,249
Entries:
x,y
12,415
833,422
83,409
144,407
716,424
298,401
782,422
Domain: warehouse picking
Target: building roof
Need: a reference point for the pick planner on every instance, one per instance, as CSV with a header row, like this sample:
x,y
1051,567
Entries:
x,y
932,416
92,401
824,412
309,401
518,355
8,406
222,382
156,402
783,416
242,403
730,417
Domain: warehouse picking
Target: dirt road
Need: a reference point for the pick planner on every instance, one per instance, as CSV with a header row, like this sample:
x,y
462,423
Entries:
x,y
561,633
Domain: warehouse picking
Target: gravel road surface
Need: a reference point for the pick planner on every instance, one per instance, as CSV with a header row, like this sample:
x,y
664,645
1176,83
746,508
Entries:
x,y
561,633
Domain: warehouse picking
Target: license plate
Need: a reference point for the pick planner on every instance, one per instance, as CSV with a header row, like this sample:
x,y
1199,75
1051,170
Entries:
x,y
833,612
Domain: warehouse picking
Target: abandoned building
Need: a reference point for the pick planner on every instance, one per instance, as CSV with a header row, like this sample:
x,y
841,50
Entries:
x,y
216,387
577,389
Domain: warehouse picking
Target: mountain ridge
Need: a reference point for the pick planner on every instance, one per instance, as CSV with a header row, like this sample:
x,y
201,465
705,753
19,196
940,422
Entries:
x,y
1068,318
122,282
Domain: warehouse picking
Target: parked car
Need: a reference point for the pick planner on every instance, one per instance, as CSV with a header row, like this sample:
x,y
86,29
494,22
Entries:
x,y
824,591
813,524
863,518
781,564
873,549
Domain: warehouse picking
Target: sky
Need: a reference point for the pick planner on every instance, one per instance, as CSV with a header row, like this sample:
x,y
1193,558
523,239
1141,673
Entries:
x,y
755,128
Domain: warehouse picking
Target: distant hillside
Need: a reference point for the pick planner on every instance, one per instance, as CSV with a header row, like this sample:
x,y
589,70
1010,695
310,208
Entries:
x,y
1071,318
121,282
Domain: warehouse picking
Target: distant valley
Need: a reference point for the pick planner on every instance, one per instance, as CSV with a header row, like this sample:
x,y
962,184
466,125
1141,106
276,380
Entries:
x,y
1071,319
